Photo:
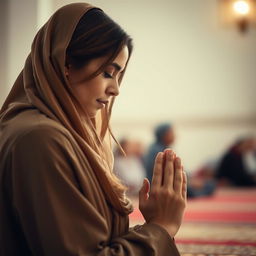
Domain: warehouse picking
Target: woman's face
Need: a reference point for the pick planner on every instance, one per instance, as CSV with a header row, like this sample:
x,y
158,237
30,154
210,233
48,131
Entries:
x,y
94,94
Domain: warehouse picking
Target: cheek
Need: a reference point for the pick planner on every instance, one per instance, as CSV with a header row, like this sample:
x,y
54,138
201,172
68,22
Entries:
x,y
97,86
81,92
90,89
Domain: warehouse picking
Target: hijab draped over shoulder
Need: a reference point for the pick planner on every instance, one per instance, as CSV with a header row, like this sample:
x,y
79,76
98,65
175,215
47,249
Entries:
x,y
42,84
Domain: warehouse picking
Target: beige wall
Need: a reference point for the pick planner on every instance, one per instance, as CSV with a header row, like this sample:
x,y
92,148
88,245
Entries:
x,y
3,47
20,23
186,68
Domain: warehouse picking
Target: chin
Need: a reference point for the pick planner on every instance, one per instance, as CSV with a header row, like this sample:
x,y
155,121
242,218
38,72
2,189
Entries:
x,y
92,114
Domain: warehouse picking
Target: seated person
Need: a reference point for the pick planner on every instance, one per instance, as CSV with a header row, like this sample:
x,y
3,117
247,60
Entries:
x,y
202,181
232,169
164,138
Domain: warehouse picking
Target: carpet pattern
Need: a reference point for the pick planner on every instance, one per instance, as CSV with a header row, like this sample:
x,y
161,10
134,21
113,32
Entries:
x,y
217,239
224,224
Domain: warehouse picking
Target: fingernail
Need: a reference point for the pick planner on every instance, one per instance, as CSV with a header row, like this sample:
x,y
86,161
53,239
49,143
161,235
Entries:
x,y
173,156
170,154
160,155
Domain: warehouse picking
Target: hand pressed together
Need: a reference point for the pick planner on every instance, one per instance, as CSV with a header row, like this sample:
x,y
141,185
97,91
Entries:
x,y
164,202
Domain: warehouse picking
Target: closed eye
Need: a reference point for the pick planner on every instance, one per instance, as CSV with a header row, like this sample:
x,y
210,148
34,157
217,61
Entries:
x,y
107,75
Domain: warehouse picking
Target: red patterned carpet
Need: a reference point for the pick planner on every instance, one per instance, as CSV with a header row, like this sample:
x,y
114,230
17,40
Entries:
x,y
224,224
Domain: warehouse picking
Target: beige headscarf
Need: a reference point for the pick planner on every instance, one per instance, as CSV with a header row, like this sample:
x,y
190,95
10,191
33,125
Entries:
x,y
43,84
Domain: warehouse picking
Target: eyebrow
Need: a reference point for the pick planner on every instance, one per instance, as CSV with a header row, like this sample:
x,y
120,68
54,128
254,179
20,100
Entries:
x,y
116,66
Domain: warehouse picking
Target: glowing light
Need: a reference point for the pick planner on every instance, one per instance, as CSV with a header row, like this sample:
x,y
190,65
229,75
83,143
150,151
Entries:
x,y
241,7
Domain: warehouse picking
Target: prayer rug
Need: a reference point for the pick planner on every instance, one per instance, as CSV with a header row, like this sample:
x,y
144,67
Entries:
x,y
223,224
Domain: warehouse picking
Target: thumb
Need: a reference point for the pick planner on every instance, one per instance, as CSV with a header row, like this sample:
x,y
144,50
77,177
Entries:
x,y
143,193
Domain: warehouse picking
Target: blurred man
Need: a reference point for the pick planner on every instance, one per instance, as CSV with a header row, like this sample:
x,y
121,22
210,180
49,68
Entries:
x,y
164,138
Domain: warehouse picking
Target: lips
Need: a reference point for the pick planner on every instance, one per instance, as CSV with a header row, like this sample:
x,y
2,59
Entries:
x,y
101,101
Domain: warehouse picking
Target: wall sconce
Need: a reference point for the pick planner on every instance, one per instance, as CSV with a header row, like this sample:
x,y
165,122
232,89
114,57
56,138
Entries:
x,y
239,12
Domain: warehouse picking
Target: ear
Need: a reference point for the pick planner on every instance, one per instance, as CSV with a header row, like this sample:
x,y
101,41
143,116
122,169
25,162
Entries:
x,y
67,66
67,70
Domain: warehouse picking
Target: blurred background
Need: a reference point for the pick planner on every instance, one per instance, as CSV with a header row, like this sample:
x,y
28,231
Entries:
x,y
191,67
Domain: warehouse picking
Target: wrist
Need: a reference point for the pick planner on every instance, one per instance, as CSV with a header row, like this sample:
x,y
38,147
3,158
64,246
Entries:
x,y
170,229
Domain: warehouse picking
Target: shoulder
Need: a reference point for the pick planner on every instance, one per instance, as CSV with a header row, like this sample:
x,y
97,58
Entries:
x,y
41,134
38,147
34,130
154,149
45,145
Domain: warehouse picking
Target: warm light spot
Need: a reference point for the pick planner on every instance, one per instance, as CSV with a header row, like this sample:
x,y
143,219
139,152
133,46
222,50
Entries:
x,y
241,7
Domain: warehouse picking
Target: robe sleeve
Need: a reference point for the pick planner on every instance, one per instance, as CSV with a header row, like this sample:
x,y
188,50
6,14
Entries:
x,y
55,217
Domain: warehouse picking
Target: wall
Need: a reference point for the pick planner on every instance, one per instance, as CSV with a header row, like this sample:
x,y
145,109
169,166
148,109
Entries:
x,y
187,68
3,47
19,20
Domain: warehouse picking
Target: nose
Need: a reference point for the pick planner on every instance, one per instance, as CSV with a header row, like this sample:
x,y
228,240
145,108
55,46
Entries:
x,y
113,89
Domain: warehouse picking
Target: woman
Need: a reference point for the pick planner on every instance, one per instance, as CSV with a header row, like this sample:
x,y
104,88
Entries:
x,y
58,193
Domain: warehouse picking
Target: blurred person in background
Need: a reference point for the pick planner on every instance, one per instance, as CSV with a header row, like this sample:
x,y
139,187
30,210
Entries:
x,y
234,169
129,167
202,181
164,138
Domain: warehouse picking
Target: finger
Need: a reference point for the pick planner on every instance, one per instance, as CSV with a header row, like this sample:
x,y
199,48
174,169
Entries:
x,y
168,174
184,184
143,193
177,183
158,171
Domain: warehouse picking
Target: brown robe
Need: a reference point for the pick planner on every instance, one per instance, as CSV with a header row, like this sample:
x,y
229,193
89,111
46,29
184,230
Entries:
x,y
55,194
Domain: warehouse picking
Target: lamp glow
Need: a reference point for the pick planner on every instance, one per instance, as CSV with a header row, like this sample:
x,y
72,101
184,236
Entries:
x,y
241,7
